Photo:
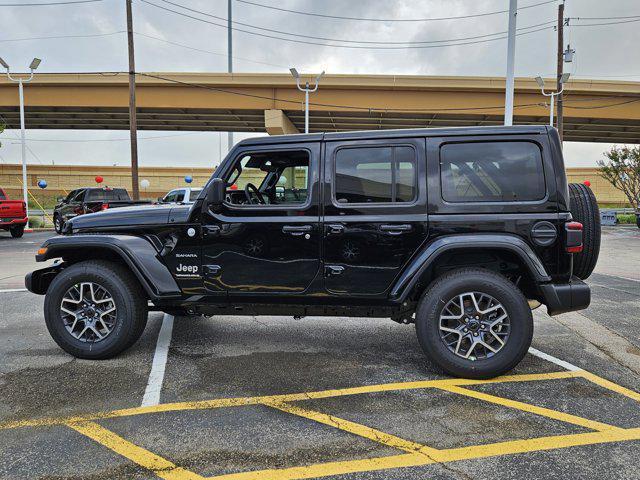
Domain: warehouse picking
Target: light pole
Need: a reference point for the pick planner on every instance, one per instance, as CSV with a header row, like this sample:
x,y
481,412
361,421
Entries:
x,y
20,80
306,91
552,95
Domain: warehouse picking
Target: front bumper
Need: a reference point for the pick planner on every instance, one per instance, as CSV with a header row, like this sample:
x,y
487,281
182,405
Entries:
x,y
38,281
566,297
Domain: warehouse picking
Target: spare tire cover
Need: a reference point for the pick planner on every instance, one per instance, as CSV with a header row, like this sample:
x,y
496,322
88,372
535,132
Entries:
x,y
584,209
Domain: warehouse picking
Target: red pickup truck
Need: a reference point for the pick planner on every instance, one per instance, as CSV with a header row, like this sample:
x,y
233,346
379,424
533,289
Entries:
x,y
13,215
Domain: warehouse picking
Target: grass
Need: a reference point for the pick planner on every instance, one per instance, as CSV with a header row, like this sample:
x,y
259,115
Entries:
x,y
626,218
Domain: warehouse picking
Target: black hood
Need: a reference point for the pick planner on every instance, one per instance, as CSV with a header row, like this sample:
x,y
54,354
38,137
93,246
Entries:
x,y
130,217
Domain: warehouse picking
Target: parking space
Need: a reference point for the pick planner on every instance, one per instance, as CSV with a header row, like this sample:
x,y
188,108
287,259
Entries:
x,y
277,398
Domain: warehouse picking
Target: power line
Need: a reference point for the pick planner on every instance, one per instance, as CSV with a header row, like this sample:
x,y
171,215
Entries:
x,y
636,19
92,140
70,2
341,40
601,18
361,19
336,45
207,51
53,37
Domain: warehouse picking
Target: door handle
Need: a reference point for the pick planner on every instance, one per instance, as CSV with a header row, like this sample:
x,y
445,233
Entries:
x,y
396,229
211,230
335,229
297,230
333,270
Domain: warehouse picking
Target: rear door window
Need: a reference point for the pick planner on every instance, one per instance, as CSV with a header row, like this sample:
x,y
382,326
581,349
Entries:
x,y
375,175
492,172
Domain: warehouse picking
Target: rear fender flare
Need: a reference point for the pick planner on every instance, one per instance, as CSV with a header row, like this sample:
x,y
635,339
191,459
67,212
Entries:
x,y
411,274
137,253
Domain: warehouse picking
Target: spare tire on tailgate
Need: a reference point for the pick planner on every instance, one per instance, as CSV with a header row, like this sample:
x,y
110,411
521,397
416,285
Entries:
x,y
584,209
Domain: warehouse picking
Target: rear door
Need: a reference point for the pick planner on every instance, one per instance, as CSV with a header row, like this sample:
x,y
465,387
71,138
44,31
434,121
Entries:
x,y
375,214
494,184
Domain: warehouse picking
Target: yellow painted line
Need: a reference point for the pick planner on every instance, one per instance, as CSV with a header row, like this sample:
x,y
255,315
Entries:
x,y
609,385
332,468
538,444
293,397
526,407
356,429
443,456
161,467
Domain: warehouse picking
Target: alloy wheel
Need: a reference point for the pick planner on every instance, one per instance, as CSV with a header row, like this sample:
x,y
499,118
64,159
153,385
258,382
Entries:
x,y
474,325
88,312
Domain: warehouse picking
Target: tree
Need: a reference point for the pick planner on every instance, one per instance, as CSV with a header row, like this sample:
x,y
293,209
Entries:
x,y
622,170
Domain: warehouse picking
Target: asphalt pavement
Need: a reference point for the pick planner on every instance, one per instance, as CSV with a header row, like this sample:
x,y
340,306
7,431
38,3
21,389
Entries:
x,y
278,398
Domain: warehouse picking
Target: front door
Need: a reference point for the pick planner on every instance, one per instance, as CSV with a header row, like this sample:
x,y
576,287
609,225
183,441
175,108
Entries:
x,y
266,236
375,212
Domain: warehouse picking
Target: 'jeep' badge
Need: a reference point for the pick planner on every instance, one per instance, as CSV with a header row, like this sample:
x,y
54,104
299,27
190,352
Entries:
x,y
187,270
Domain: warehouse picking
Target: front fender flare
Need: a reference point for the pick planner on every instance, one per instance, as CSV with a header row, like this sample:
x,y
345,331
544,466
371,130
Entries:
x,y
138,253
425,258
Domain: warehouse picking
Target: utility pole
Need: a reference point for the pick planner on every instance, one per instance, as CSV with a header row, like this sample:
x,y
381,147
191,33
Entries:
x,y
133,120
560,67
511,58
230,59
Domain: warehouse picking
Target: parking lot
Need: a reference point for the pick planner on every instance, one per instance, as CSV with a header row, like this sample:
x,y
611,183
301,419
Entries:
x,y
278,398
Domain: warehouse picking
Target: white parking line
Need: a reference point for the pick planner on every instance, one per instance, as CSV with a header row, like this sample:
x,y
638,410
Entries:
x,y
552,359
14,290
156,377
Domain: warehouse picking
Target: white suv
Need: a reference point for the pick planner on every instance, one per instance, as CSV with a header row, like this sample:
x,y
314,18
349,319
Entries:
x,y
181,195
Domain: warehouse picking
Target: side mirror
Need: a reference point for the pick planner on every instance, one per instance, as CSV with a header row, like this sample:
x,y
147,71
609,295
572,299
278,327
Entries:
x,y
160,199
215,194
60,199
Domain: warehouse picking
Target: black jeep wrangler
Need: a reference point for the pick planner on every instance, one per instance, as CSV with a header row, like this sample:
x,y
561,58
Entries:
x,y
462,231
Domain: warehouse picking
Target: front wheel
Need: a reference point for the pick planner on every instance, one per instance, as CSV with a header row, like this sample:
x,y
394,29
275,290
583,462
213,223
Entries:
x,y
474,323
95,309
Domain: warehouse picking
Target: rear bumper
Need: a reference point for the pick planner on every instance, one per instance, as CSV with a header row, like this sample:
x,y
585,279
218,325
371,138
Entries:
x,y
566,297
14,221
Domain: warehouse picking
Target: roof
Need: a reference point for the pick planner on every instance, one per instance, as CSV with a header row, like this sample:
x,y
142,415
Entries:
x,y
403,133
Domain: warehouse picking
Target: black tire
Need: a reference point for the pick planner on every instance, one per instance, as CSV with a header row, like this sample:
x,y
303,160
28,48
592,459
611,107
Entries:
x,y
457,282
57,223
17,231
584,209
128,296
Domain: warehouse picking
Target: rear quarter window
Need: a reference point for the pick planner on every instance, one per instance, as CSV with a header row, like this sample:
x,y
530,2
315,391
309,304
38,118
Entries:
x,y
509,171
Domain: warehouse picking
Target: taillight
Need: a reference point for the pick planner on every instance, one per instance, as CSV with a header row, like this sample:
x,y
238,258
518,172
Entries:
x,y
574,237
104,206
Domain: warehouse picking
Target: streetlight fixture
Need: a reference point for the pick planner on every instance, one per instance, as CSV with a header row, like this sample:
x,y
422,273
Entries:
x,y
552,95
35,63
306,91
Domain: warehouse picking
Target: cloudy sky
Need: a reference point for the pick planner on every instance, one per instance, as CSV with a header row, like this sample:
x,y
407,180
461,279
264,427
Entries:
x,y
603,52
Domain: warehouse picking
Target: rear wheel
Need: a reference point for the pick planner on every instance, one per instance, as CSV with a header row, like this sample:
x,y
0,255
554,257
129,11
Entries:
x,y
474,323
17,231
584,209
57,223
95,309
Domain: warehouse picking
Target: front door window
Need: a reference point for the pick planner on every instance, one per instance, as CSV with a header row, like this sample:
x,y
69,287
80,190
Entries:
x,y
277,178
